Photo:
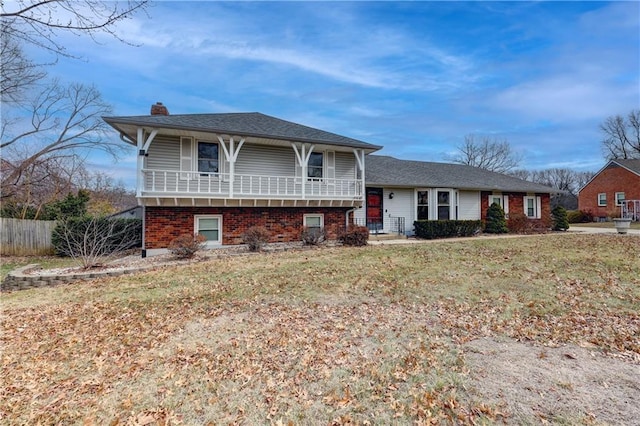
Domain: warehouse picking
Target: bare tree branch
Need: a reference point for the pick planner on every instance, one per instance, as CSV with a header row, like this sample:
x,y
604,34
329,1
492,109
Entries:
x,y
38,22
61,123
622,136
486,153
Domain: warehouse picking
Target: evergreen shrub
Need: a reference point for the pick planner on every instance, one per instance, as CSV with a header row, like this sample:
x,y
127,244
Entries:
x,y
433,229
560,219
496,222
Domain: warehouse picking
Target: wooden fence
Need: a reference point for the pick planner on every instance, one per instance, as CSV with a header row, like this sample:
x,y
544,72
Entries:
x,y
20,237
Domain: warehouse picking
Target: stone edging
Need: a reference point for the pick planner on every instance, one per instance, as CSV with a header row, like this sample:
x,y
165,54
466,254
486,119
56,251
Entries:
x,y
20,279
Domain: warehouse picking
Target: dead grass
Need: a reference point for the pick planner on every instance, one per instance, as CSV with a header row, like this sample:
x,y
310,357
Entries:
x,y
370,335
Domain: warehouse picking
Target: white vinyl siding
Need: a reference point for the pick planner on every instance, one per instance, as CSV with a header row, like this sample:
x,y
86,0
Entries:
x,y
469,205
345,165
265,161
163,154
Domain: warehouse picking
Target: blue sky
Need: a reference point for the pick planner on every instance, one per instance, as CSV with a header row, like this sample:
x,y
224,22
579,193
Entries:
x,y
415,77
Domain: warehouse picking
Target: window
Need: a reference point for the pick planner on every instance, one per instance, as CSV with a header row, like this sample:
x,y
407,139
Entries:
x,y
423,205
444,205
314,221
619,198
207,157
532,206
314,168
602,199
501,200
210,227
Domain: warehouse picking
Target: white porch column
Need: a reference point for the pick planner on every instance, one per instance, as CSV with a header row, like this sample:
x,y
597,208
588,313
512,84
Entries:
x,y
303,161
140,175
143,146
359,153
231,155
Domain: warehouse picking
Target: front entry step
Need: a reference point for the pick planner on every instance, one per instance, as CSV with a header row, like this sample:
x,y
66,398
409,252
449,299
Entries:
x,y
385,237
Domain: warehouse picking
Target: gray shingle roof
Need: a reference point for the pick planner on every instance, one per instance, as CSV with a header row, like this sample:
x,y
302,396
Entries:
x,y
631,164
245,124
388,171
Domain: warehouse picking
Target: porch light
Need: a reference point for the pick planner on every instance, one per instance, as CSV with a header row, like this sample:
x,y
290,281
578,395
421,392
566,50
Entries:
x,y
391,195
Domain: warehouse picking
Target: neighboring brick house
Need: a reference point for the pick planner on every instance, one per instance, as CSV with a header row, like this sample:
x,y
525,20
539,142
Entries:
x,y
618,180
219,174
399,192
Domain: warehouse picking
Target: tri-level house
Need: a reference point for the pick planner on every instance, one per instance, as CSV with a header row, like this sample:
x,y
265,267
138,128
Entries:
x,y
219,174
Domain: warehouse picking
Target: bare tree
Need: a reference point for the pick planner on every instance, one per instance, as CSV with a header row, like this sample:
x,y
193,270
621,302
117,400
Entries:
x,y
57,129
566,180
18,72
39,22
622,136
486,153
96,239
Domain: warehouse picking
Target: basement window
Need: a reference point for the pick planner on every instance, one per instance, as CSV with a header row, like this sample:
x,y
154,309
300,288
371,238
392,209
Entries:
x,y
314,221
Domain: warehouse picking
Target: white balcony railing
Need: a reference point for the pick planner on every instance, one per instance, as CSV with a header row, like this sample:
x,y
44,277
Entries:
x,y
218,185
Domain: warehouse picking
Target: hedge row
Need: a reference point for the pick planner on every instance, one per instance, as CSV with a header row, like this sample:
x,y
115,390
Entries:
x,y
431,229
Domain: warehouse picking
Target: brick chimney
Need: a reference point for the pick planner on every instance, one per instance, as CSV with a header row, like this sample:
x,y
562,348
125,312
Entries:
x,y
159,109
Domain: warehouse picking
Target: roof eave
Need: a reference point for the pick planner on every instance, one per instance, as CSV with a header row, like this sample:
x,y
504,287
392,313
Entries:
x,y
114,121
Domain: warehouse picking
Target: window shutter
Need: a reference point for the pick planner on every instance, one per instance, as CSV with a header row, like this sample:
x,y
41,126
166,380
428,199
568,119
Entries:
x,y
186,157
538,207
330,165
505,207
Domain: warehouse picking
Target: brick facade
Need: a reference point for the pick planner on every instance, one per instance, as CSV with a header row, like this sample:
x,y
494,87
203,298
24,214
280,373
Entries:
x,y
613,178
516,204
163,224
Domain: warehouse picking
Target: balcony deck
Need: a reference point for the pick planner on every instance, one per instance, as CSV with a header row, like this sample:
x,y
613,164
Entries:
x,y
172,184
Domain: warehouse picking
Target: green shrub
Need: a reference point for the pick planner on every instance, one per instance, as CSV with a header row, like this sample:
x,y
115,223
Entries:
x,y
560,219
432,229
579,216
256,237
354,235
186,246
313,236
496,222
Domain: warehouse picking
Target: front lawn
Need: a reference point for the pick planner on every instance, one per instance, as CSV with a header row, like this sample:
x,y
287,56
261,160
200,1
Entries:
x,y
372,335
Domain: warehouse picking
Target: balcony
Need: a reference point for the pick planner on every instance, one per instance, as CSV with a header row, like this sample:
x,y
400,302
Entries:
x,y
173,184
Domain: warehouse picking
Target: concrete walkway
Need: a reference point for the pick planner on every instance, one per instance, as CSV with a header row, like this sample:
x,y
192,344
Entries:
x,y
596,230
573,230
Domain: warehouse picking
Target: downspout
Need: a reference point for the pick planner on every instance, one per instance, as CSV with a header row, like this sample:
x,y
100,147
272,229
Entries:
x,y
347,217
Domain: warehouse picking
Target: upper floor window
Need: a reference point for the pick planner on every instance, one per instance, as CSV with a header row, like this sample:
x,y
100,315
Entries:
x,y
207,157
314,168
602,199
619,198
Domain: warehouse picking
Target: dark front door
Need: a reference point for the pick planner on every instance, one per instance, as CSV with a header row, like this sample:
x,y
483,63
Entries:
x,y
374,209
